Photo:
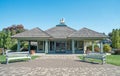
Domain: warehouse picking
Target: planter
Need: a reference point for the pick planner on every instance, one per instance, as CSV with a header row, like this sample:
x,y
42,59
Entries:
x,y
32,52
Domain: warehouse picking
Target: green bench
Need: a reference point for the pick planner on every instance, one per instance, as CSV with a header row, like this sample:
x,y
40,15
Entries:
x,y
16,55
93,55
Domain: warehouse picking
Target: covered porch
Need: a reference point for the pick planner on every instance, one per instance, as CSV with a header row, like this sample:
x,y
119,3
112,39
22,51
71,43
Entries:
x,y
68,46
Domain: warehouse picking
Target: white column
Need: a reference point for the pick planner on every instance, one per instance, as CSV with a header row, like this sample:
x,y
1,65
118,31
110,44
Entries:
x,y
66,45
43,45
73,46
101,46
84,47
46,46
49,46
18,46
37,46
92,46
29,46
54,45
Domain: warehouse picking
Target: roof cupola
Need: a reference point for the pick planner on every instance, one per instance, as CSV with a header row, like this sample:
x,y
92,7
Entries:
x,y
62,23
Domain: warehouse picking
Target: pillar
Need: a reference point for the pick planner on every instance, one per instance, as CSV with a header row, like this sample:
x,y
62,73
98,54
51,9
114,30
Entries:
x,y
84,47
46,46
54,45
92,46
18,46
73,46
101,47
37,46
66,45
29,46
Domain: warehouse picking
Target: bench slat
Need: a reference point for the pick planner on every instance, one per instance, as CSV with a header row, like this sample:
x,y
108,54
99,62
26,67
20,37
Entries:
x,y
100,56
16,55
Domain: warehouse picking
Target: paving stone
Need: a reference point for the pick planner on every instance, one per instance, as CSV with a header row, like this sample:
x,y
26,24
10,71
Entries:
x,y
61,65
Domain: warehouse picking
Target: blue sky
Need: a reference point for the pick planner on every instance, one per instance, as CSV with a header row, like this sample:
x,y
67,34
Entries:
x,y
98,15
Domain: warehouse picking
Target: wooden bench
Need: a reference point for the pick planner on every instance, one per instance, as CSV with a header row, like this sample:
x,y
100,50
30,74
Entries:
x,y
99,56
16,55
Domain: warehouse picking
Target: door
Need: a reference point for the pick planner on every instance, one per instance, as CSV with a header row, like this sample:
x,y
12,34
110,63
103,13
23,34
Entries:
x,y
60,47
40,47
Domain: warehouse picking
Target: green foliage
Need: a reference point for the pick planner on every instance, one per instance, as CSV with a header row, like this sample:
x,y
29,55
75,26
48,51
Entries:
x,y
107,48
24,44
2,59
96,48
89,48
6,41
14,47
116,38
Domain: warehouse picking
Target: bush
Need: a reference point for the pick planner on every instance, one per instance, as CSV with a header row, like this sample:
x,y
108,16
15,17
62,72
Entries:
x,y
107,48
14,47
89,48
96,48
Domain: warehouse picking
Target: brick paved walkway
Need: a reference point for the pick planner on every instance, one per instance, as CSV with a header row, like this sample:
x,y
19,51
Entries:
x,y
58,66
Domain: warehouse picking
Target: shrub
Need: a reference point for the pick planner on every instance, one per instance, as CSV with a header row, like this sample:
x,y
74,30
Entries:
x,y
107,48
14,47
96,48
89,47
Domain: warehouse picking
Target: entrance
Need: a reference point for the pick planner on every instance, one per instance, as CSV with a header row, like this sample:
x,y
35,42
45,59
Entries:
x,y
41,47
60,47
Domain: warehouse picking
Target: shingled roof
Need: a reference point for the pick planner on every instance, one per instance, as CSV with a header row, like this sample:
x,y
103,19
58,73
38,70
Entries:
x,y
86,33
61,31
36,32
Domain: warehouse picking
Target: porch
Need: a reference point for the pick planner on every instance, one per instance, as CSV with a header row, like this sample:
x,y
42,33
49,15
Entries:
x,y
61,46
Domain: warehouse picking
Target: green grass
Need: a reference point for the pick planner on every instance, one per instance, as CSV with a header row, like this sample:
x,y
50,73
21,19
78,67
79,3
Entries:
x,y
110,59
113,59
34,57
3,59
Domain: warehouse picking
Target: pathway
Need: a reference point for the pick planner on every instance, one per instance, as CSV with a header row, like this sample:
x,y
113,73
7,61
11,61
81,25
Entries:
x,y
58,65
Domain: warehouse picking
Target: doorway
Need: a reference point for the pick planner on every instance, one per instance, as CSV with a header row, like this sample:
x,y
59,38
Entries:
x,y
60,47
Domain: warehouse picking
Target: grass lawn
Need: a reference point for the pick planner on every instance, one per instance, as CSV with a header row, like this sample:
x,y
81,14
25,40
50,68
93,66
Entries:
x,y
113,59
2,58
110,59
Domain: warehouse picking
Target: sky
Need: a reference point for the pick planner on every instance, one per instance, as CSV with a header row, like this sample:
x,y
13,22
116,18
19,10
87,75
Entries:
x,y
99,15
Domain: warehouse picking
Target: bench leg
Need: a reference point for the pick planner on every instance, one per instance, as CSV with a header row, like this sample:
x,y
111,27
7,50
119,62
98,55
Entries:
x,y
83,58
7,61
103,61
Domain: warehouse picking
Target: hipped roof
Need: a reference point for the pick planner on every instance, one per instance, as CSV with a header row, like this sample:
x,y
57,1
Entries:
x,y
60,31
36,32
87,33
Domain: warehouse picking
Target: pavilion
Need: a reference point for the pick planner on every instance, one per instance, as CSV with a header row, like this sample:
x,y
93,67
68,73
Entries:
x,y
61,39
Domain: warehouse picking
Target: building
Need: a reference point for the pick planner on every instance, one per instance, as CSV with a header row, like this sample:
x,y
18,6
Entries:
x,y
61,39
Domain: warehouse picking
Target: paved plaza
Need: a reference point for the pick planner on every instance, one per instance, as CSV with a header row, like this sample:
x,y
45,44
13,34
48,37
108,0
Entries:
x,y
58,65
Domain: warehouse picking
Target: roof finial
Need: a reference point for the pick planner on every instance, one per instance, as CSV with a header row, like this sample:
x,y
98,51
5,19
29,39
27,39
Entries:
x,y
62,21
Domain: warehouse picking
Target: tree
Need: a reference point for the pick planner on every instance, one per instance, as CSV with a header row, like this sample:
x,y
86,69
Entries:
x,y
110,35
116,38
8,40
113,38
